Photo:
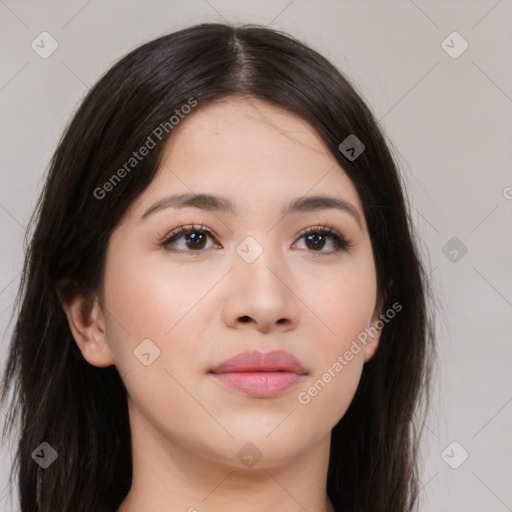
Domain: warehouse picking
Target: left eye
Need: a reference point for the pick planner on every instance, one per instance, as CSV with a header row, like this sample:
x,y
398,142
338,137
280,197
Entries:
x,y
315,238
195,239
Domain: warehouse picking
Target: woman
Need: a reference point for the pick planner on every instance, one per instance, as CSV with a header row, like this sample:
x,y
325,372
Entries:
x,y
222,305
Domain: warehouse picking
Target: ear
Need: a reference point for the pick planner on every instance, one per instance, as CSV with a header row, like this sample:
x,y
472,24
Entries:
x,y
86,322
372,341
374,330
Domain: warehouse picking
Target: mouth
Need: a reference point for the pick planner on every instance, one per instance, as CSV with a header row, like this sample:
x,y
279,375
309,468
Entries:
x,y
260,375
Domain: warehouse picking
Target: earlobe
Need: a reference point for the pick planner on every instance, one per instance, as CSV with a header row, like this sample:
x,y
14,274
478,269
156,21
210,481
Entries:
x,y
374,333
377,324
372,342
87,323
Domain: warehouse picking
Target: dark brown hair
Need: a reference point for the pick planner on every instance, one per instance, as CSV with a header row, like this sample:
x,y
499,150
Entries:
x,y
81,410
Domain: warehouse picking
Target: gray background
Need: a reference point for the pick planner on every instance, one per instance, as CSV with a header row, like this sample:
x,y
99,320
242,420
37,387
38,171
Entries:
x,y
450,123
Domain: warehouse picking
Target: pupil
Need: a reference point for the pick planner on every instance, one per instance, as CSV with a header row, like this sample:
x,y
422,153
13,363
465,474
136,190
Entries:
x,y
315,239
196,239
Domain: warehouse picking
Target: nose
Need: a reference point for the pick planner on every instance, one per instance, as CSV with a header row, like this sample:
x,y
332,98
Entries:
x,y
260,295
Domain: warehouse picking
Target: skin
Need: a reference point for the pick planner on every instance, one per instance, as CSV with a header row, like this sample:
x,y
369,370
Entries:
x,y
187,428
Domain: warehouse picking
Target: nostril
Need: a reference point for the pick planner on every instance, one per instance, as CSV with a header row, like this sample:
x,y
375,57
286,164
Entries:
x,y
245,318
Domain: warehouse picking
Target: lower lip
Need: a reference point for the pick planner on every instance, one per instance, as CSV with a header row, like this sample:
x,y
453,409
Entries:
x,y
259,384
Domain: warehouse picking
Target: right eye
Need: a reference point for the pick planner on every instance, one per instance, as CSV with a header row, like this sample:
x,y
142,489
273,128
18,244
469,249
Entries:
x,y
195,238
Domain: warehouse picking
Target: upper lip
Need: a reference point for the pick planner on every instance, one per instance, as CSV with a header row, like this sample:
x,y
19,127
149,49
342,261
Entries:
x,y
254,361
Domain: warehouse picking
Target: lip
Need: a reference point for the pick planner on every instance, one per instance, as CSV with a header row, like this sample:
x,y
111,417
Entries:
x,y
258,374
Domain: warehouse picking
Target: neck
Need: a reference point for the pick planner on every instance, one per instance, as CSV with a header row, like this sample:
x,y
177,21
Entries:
x,y
167,476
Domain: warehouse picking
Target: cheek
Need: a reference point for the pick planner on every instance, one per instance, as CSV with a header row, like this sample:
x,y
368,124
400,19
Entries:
x,y
345,306
345,302
147,298
138,300
351,309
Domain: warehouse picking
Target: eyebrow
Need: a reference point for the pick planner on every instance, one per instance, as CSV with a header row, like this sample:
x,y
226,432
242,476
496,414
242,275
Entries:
x,y
213,203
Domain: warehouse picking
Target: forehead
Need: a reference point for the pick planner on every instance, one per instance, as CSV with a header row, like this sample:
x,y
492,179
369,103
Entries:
x,y
251,151
259,127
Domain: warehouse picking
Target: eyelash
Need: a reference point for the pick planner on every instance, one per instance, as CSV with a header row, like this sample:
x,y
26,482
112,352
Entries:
x,y
341,244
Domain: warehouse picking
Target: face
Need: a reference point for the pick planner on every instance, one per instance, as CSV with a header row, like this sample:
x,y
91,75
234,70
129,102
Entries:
x,y
189,286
